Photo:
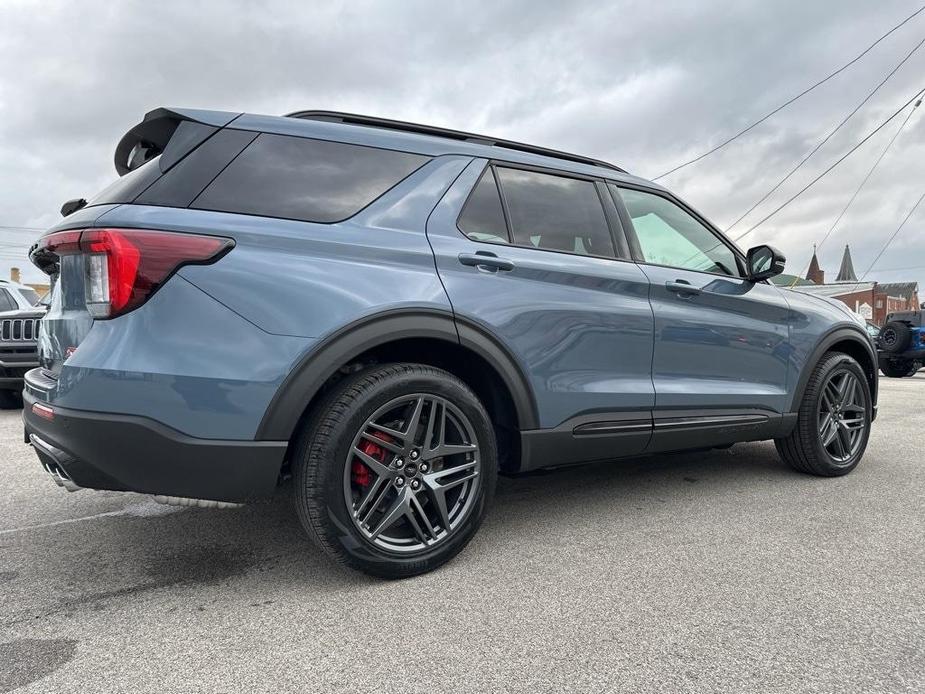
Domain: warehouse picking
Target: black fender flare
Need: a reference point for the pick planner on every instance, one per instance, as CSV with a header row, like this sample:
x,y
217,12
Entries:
x,y
324,359
833,337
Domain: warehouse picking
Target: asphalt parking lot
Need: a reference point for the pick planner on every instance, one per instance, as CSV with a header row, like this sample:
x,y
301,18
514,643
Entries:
x,y
720,571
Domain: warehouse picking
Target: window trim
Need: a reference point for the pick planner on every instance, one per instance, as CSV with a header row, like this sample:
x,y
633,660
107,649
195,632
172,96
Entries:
x,y
618,237
636,248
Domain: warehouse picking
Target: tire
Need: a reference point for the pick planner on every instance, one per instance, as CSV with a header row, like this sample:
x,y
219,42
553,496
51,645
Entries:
x,y
10,400
898,368
343,457
804,448
895,337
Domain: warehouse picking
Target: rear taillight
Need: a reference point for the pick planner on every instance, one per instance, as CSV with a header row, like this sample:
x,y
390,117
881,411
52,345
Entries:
x,y
124,267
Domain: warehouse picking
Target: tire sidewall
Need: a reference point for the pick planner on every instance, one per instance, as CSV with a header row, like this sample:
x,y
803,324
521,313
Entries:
x,y
897,368
838,363
332,455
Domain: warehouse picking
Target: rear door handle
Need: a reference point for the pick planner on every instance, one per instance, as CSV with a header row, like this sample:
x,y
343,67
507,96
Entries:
x,y
486,261
682,287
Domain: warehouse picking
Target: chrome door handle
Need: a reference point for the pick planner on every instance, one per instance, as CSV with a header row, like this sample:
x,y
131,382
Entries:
x,y
486,261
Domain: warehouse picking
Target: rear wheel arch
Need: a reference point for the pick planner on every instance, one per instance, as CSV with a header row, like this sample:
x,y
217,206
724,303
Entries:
x,y
425,336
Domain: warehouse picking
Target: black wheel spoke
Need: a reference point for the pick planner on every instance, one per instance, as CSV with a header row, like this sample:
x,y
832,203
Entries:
x,y
371,501
377,466
380,441
392,515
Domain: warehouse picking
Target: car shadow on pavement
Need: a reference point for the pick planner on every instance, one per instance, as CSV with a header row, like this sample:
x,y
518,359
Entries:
x,y
118,556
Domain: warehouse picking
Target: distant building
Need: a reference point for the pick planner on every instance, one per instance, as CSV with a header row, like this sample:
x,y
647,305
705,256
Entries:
x,y
871,300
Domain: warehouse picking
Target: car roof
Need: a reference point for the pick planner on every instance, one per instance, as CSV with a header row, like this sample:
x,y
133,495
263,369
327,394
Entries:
x,y
408,137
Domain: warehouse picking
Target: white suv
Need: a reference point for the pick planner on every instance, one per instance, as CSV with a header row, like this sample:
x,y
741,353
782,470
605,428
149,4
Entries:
x,y
20,314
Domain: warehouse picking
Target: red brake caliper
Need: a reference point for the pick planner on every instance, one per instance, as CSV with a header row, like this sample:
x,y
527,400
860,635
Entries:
x,y
359,473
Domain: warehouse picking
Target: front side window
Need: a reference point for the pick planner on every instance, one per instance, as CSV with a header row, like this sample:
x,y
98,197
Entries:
x,y
670,236
304,179
555,213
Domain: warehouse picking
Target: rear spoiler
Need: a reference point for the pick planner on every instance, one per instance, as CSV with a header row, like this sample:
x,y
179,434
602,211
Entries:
x,y
150,137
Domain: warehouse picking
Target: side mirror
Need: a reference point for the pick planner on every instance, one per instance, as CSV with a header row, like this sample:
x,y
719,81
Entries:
x,y
763,262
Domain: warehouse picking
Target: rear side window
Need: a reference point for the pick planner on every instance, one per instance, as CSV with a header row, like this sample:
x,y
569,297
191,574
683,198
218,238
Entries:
x,y
482,218
555,212
308,180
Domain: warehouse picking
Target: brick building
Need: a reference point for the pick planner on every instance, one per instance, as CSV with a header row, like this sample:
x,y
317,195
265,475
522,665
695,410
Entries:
x,y
871,300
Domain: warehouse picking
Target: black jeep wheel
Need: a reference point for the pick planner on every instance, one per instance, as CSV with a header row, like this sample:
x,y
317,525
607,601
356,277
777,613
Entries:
x,y
394,471
895,337
10,400
833,424
898,368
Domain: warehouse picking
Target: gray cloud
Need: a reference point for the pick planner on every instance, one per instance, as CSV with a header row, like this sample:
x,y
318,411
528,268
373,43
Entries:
x,y
643,84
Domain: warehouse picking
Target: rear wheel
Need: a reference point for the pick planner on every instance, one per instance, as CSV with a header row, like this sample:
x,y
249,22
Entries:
x,y
898,368
833,423
394,473
10,400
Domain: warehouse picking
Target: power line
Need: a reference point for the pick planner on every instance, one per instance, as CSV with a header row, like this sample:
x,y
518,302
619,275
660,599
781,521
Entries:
x,y
17,228
829,136
901,269
869,174
790,101
829,169
864,182
890,240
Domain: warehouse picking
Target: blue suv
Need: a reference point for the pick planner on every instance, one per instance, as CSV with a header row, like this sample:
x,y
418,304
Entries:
x,y
392,314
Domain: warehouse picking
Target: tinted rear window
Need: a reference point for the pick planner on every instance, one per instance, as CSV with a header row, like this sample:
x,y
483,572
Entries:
x,y
309,180
555,212
482,218
126,188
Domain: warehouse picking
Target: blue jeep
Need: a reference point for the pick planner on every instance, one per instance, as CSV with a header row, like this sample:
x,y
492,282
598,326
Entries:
x,y
901,344
393,314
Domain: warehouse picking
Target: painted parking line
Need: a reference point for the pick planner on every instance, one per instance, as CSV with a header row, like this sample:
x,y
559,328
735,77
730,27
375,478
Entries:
x,y
138,510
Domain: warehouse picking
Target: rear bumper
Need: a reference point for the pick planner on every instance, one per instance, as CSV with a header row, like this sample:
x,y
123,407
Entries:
x,y
129,453
909,354
14,362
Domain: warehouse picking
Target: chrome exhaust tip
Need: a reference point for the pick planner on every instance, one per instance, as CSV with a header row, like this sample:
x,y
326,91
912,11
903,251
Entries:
x,y
48,459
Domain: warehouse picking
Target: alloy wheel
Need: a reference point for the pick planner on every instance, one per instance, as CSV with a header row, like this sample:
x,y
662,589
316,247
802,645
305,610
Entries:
x,y
842,416
412,473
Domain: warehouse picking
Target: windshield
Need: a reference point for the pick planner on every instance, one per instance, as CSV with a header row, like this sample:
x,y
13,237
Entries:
x,y
31,296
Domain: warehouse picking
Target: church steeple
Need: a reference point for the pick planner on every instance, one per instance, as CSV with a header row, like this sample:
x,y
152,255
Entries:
x,y
815,273
846,271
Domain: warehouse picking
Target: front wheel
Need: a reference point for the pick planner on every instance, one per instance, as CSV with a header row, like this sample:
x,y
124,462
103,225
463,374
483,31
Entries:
x,y
833,423
394,473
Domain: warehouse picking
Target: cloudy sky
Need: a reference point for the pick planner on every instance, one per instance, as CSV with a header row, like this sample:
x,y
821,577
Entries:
x,y
645,85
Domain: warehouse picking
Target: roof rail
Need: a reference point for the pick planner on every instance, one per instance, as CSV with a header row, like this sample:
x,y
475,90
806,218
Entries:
x,y
389,124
